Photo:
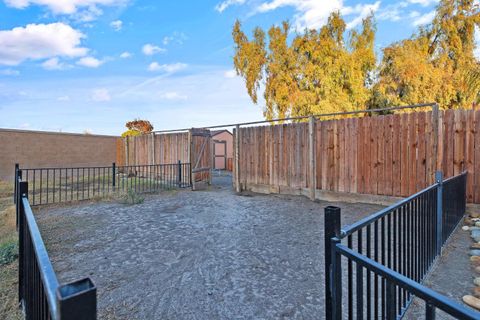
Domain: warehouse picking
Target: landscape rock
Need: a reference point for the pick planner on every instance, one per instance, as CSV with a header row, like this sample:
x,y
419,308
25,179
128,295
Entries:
x,y
472,301
476,292
477,281
475,252
475,214
475,246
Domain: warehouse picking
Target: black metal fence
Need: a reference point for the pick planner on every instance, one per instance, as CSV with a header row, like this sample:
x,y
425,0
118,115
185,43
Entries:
x,y
40,294
376,265
54,185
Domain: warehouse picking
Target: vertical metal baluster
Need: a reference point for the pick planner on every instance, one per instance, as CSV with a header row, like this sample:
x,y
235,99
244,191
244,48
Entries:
x,y
382,232
41,186
368,239
350,281
359,278
375,254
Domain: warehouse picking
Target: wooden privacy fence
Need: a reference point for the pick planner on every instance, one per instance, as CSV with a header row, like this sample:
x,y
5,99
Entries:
x,y
392,155
193,146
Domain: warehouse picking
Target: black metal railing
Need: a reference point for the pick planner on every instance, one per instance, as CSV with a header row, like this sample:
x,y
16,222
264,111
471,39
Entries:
x,y
402,240
54,185
40,294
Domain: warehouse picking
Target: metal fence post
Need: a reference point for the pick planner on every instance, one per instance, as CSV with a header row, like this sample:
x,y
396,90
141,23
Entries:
x,y
18,195
332,264
15,183
22,191
77,300
114,169
439,181
179,179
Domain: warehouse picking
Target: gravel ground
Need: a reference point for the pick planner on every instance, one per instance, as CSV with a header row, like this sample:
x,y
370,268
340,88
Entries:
x,y
197,255
452,275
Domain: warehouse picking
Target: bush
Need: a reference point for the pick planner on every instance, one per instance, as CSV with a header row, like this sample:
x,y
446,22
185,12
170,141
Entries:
x,y
132,197
8,252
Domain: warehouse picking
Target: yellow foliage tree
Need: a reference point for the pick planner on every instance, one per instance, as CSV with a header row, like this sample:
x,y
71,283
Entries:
x,y
437,64
319,72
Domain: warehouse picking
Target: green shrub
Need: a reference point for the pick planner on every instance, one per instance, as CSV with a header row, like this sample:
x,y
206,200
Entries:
x,y
132,197
8,252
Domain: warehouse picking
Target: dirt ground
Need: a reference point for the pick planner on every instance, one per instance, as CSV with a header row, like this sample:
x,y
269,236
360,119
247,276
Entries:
x,y
197,255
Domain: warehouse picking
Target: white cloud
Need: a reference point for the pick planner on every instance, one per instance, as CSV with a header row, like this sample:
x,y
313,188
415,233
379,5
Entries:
x,y
168,68
362,11
64,6
90,62
125,55
101,95
116,25
423,3
230,74
54,64
177,37
424,19
9,72
173,95
63,98
150,49
220,7
40,41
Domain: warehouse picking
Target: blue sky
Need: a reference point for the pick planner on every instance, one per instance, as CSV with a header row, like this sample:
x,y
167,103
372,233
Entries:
x,y
92,65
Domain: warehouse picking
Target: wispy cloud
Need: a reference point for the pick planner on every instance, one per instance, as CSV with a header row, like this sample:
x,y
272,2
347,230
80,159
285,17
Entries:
x,y
125,55
90,62
220,7
101,95
54,64
9,72
84,10
151,49
40,41
116,25
424,19
168,68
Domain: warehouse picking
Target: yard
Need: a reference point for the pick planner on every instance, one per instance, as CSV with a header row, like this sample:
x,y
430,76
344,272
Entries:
x,y
197,255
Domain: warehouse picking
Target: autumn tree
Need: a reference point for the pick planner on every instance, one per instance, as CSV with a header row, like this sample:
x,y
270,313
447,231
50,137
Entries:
x,y
319,71
137,127
437,63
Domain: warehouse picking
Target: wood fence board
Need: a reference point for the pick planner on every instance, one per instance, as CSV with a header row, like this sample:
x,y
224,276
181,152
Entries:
x,y
421,159
476,187
469,152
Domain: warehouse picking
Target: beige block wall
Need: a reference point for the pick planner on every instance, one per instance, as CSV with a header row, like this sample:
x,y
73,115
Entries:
x,y
37,149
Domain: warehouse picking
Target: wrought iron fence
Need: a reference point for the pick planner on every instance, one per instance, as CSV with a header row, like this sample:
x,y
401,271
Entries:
x,y
40,294
54,185
389,253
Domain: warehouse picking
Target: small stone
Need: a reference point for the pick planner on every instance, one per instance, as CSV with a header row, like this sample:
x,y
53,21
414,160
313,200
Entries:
x,y
472,301
477,281
477,269
475,252
468,222
476,292
475,260
475,214
465,228
477,224
475,246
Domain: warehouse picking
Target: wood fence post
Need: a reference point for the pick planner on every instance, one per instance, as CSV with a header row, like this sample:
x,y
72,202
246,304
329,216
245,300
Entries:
x,y
190,156
311,150
153,148
237,159
212,158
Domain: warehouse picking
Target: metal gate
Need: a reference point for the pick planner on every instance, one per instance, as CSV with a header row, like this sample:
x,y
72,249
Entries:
x,y
201,157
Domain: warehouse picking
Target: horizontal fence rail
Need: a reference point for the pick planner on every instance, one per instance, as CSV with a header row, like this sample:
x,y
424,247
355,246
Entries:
x,y
56,185
404,239
40,294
